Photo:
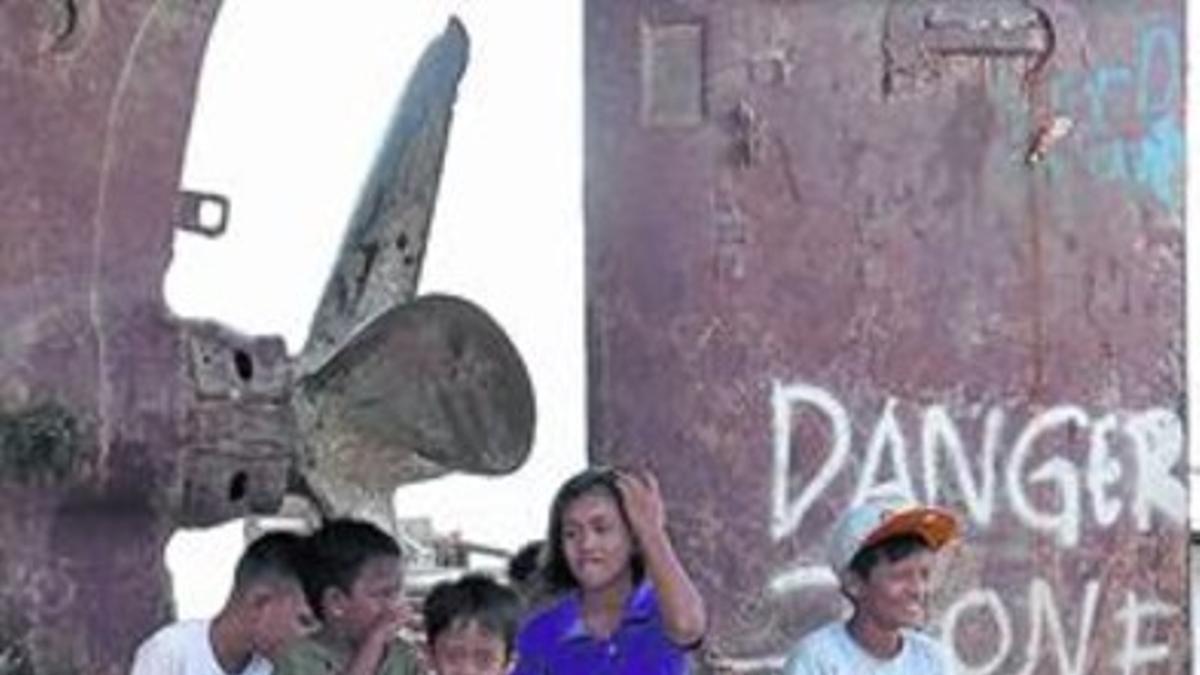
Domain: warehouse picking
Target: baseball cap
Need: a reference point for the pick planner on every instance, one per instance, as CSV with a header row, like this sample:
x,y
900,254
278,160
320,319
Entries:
x,y
886,515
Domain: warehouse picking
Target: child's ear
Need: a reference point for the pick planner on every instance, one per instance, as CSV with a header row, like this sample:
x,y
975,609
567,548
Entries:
x,y
852,585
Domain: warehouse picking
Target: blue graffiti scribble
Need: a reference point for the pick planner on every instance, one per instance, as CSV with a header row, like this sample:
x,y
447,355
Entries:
x,y
1160,160
1159,41
1133,116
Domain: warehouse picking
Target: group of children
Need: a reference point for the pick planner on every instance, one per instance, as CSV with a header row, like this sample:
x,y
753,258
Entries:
x,y
331,603
611,597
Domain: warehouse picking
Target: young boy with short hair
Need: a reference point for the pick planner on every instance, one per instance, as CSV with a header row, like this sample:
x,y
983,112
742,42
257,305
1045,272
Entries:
x,y
471,625
353,577
883,553
265,612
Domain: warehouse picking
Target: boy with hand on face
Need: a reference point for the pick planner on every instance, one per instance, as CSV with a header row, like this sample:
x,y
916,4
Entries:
x,y
883,553
353,577
471,625
265,612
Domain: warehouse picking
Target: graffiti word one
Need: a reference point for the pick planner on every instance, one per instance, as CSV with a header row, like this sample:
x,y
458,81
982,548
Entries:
x,y
1049,640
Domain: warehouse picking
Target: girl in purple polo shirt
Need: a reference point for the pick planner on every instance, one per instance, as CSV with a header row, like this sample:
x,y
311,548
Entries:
x,y
629,607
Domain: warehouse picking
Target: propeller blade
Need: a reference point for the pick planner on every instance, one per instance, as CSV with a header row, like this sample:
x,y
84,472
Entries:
x,y
380,259
427,387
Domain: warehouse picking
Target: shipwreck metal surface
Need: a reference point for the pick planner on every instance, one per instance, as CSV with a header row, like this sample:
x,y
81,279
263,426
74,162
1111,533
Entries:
x,y
96,102
119,422
833,246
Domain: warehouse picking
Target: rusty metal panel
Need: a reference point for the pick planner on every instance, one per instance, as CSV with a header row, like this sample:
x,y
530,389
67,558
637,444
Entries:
x,y
833,246
119,421
95,103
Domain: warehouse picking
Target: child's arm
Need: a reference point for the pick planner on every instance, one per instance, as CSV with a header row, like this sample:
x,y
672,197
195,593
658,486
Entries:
x,y
680,603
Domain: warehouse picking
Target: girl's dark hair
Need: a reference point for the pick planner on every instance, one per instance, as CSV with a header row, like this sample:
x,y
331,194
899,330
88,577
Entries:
x,y
337,553
593,480
892,549
474,598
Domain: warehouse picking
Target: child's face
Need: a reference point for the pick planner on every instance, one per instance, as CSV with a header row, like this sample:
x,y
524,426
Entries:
x,y
372,599
282,616
894,593
597,544
468,649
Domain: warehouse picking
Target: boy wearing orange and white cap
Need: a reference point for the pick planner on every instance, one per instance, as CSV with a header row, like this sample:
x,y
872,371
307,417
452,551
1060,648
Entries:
x,y
882,552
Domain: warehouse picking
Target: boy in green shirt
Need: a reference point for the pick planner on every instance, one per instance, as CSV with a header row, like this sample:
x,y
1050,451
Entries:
x,y
353,579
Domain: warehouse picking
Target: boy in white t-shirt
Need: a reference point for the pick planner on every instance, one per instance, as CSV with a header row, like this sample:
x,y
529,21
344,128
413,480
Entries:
x,y
882,552
265,612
